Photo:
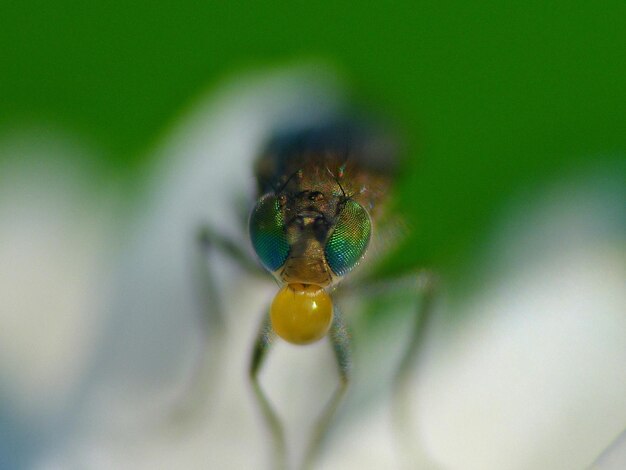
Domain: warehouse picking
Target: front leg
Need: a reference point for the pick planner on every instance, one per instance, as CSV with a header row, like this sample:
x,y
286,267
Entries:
x,y
262,344
339,337
340,342
423,287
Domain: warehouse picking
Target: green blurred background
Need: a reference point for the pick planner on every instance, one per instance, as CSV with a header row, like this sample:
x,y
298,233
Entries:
x,y
494,97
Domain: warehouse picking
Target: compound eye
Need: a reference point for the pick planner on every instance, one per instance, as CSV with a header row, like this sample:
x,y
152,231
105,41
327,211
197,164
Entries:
x,y
267,232
348,241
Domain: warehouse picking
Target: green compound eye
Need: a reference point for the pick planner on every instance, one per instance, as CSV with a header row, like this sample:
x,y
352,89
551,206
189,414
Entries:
x,y
267,232
348,242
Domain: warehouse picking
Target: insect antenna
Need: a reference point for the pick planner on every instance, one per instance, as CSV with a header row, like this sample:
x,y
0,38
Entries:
x,y
345,196
284,185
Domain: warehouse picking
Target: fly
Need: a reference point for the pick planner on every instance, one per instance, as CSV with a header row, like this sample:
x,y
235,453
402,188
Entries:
x,y
310,226
321,191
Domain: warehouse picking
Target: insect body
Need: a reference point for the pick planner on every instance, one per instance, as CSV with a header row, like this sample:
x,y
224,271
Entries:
x,y
319,191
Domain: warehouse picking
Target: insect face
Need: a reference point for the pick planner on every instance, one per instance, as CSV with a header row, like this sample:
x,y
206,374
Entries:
x,y
309,241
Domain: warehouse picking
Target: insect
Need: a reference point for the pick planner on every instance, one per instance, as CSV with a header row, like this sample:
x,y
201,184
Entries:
x,y
318,190
321,190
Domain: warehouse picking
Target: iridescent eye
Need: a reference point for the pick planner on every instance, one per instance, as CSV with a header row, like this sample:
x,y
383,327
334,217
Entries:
x,y
267,232
349,240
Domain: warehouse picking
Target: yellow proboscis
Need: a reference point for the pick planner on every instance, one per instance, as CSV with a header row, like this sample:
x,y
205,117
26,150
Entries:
x,y
301,313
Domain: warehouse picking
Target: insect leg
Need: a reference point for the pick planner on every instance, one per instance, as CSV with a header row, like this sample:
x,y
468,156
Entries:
x,y
426,288
209,238
206,287
423,286
340,342
262,345
196,394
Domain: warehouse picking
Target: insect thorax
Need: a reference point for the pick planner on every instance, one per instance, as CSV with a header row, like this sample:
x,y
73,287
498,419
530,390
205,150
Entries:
x,y
316,167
